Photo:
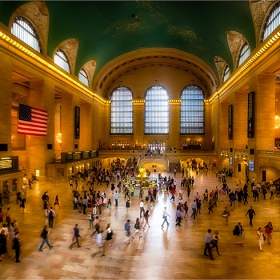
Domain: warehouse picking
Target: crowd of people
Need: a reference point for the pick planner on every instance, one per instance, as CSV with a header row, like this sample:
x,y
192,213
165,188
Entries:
x,y
93,203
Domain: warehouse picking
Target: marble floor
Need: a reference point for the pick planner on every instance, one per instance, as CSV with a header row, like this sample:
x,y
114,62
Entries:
x,y
169,253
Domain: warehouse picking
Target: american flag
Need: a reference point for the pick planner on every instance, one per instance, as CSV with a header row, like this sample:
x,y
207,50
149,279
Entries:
x,y
32,121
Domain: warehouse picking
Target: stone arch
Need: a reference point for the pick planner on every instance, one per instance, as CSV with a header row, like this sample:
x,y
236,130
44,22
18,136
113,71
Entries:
x,y
159,57
89,67
220,65
70,48
37,14
260,12
235,41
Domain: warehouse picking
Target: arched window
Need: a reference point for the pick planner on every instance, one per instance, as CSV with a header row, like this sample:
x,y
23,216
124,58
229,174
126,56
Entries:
x,y
156,111
83,77
226,73
273,21
121,111
192,111
244,54
61,60
23,30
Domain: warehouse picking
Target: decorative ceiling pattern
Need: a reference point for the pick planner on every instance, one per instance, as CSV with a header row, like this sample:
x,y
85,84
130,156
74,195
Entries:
x,y
108,29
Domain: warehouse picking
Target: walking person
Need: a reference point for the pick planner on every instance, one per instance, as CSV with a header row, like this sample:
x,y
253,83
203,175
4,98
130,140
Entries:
x,y
215,240
75,237
164,216
142,210
272,190
251,213
51,216
109,237
44,236
16,246
239,233
146,217
96,226
207,242
127,231
100,245
3,244
90,219
226,214
268,231
127,205
56,201
109,206
116,197
260,238
178,217
194,209
137,228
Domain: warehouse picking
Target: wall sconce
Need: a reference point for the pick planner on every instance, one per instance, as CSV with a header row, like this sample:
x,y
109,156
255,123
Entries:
x,y
59,137
244,157
222,154
236,156
226,155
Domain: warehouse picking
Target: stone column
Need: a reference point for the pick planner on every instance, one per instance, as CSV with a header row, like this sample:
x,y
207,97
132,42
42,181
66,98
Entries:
x,y
174,124
6,104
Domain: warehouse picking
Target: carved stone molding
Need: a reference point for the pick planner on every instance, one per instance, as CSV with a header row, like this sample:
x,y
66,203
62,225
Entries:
x,y
37,14
18,98
259,10
70,47
146,56
235,42
220,65
90,69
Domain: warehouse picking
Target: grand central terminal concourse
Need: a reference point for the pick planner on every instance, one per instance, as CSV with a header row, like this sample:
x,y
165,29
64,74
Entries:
x,y
140,140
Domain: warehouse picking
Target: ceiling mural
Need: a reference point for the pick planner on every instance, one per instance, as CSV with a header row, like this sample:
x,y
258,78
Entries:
x,y
106,30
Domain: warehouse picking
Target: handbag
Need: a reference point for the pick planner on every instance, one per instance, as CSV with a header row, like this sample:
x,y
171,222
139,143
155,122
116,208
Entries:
x,y
264,238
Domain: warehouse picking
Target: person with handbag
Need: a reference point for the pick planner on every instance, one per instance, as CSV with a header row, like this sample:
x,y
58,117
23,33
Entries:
x,y
75,237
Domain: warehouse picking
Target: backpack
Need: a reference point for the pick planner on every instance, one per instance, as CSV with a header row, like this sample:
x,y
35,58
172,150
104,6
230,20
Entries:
x,y
50,214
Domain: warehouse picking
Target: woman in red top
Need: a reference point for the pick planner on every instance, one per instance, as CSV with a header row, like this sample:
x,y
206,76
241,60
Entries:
x,y
268,231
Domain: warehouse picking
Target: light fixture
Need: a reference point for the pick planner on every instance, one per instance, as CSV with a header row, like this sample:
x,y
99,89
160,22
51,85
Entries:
x,y
59,137
236,156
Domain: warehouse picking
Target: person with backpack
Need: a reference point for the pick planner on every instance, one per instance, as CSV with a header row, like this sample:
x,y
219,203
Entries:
x,y
44,236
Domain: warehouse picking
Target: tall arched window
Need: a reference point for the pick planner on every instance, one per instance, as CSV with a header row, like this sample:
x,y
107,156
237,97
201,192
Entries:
x,y
121,111
61,60
226,73
156,111
273,21
192,111
23,30
244,54
83,77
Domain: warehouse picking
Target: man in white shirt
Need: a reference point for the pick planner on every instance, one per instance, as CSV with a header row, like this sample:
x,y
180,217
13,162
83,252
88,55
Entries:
x,y
142,208
207,240
164,216
100,244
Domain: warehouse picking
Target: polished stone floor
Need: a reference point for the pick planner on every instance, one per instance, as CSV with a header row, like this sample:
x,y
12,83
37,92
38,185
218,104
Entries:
x,y
169,253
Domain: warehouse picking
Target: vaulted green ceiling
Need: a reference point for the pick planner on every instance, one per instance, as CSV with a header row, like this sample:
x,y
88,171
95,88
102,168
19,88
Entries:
x,y
107,29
